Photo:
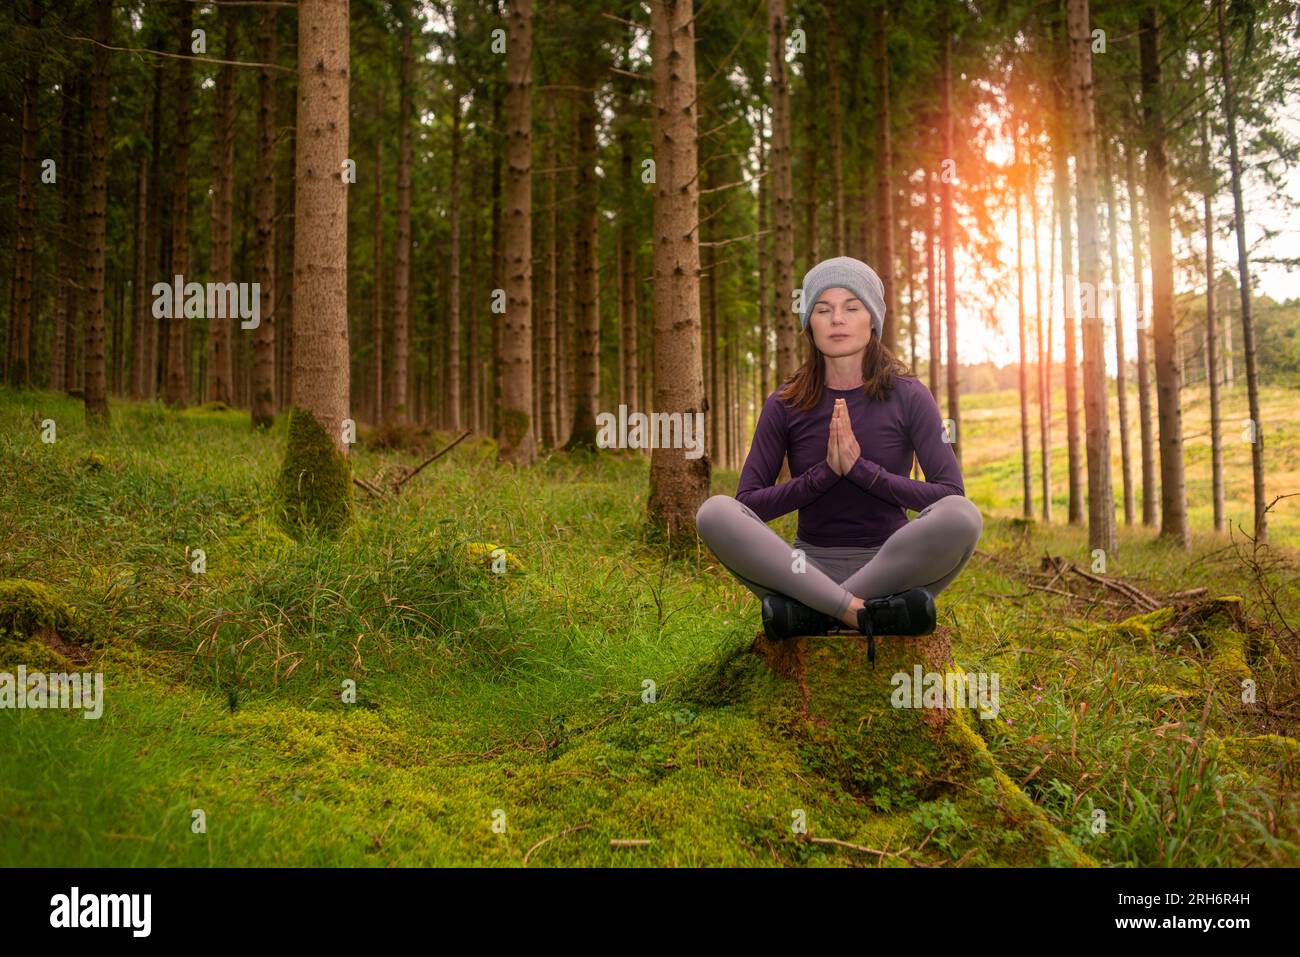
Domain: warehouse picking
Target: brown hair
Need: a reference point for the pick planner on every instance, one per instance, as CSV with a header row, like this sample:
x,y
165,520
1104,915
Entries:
x,y
803,387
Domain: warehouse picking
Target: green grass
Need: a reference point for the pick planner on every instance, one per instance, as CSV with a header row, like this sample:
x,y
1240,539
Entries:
x,y
520,699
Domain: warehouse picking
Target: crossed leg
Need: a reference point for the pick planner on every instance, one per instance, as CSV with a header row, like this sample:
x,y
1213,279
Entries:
x,y
928,552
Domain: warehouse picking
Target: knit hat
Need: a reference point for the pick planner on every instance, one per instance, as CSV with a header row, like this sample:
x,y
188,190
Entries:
x,y
846,273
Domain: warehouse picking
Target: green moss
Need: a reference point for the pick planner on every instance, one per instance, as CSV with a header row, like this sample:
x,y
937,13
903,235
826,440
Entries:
x,y
315,485
33,653
1142,629
480,553
31,609
514,425
1274,753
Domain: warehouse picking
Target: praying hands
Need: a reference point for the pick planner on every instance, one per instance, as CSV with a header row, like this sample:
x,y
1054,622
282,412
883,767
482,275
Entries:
x,y
842,449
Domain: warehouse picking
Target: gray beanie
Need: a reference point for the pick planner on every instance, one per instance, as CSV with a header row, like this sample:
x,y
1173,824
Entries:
x,y
846,273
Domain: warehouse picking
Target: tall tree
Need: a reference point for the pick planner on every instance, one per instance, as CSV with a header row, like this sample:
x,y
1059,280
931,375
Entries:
x,y
1211,322
96,399
948,217
21,321
263,402
1141,332
587,326
315,480
453,278
176,382
1243,281
1069,298
514,428
399,395
1173,490
679,485
884,264
1101,504
1121,363
782,190
220,365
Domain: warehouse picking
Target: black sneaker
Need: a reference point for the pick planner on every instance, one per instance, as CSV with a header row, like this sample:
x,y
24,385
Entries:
x,y
786,618
907,613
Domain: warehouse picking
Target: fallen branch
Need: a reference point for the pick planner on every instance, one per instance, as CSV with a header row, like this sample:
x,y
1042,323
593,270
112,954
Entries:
x,y
568,830
376,492
429,460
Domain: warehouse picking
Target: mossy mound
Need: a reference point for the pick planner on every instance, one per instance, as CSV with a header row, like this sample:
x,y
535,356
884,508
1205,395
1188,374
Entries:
x,y
1216,629
30,609
255,540
848,725
213,406
315,486
484,554
37,627
1276,754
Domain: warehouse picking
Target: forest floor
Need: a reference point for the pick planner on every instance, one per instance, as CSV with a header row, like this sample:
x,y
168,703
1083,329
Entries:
x,y
595,704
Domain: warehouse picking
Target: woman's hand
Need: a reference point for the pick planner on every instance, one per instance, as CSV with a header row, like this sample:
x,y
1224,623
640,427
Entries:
x,y
846,443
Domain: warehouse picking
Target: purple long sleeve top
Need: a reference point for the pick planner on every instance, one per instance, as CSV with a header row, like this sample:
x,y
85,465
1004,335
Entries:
x,y
869,503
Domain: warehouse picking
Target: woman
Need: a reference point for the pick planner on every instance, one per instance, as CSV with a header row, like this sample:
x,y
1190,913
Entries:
x,y
849,420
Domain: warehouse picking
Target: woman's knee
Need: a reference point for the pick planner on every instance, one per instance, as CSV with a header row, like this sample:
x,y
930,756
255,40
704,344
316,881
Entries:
x,y
967,517
714,514
959,519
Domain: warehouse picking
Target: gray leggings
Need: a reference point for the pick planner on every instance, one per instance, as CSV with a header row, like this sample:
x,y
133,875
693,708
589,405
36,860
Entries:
x,y
928,552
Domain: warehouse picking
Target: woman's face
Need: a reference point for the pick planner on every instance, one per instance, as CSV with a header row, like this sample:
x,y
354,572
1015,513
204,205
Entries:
x,y
840,323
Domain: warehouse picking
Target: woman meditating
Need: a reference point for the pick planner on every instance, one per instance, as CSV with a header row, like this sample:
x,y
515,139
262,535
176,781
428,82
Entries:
x,y
849,420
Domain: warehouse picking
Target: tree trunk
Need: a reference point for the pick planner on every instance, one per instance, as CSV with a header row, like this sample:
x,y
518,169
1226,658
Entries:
x,y
60,362
837,130
1141,330
21,317
587,357
1121,372
176,388
549,352
1211,335
377,294
1243,281
932,286
678,484
1101,502
315,482
396,407
1044,346
96,398
764,289
782,192
1026,468
949,263
1173,495
453,393
1062,194
220,365
515,428
263,402
140,309
884,251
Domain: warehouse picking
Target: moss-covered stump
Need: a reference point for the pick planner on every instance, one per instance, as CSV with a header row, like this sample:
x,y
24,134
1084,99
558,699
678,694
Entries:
x,y
902,734
1274,754
315,486
37,627
1217,631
